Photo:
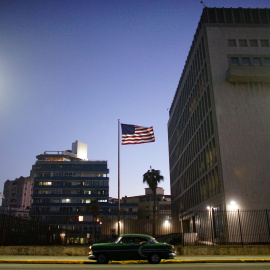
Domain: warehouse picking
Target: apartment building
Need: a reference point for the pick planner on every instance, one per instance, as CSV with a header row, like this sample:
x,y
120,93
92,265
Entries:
x,y
65,184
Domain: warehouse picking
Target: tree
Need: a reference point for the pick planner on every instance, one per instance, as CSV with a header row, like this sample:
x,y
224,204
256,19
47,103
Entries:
x,y
152,178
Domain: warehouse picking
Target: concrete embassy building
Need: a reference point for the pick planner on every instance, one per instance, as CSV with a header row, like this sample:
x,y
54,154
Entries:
x,y
65,184
219,128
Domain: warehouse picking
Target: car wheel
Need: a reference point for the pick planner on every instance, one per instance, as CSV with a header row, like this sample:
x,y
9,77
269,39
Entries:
x,y
154,258
102,259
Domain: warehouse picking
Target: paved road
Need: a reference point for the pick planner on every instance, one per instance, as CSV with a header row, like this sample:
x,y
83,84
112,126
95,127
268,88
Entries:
x,y
212,266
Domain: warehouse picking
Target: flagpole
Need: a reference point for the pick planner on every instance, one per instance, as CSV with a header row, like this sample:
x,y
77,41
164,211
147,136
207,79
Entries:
x,y
118,178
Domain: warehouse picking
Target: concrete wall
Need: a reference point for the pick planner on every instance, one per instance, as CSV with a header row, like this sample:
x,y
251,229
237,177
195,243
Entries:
x,y
45,250
217,250
83,250
242,111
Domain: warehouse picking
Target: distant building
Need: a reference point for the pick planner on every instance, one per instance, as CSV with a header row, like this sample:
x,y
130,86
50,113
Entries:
x,y
146,203
17,196
65,184
219,128
136,214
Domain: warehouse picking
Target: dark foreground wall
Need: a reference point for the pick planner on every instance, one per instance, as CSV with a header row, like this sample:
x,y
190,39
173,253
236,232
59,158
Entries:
x,y
83,250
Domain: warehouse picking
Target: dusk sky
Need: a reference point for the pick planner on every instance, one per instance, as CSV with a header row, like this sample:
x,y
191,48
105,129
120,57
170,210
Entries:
x,y
69,69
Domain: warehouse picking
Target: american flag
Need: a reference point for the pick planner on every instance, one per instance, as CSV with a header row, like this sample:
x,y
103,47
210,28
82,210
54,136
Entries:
x,y
132,134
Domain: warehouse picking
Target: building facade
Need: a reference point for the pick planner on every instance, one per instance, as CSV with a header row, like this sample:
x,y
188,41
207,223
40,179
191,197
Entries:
x,y
146,203
65,184
136,214
219,128
17,196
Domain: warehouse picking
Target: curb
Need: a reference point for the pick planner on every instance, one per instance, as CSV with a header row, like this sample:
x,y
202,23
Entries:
x,y
134,262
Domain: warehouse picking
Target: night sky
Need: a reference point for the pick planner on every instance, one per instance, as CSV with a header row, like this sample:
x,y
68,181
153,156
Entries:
x,y
70,69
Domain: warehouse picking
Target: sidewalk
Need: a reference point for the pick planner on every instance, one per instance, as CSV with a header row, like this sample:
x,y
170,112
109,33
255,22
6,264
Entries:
x,y
83,259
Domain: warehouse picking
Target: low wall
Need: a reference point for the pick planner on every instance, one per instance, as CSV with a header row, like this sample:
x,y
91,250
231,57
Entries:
x,y
45,250
223,250
83,250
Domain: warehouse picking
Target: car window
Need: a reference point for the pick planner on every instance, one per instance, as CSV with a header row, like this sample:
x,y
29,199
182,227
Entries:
x,y
126,240
152,241
135,240
138,240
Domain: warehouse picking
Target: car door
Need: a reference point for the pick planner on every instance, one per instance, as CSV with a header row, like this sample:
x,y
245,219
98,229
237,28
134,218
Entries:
x,y
129,248
135,249
122,250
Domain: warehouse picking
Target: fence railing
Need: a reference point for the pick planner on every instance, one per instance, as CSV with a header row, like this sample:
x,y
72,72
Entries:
x,y
240,227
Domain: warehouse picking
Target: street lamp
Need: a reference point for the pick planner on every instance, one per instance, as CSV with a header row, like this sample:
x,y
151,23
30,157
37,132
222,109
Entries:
x,y
233,205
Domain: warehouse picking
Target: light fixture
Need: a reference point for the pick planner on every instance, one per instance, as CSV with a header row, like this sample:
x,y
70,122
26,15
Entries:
x,y
233,205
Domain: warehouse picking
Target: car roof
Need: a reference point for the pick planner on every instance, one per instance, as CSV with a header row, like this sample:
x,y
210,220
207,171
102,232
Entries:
x,y
136,235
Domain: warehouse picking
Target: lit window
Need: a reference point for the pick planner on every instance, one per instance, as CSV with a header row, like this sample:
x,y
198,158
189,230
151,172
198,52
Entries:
x,y
80,218
47,183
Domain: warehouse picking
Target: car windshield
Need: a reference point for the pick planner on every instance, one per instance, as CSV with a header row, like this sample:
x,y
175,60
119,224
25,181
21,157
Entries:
x,y
118,240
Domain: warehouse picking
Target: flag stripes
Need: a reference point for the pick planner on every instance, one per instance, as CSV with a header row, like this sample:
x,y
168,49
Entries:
x,y
132,134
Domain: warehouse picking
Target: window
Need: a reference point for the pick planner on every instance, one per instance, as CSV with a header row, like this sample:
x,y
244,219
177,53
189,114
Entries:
x,y
102,200
267,61
235,61
231,42
253,43
243,42
257,62
264,43
80,218
245,61
45,183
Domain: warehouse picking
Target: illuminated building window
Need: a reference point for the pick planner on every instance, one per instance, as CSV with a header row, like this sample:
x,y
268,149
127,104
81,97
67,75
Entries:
x,y
80,218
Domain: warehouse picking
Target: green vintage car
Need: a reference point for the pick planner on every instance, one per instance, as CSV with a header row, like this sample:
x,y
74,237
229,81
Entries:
x,y
132,247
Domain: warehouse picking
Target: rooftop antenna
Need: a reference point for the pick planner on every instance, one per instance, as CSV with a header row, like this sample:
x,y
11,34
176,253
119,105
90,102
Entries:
x,y
203,3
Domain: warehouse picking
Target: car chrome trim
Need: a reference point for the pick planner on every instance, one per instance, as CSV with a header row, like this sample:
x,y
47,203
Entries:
x,y
92,257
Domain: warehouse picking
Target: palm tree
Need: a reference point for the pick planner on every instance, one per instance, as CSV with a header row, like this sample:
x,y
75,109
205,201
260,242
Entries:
x,y
152,178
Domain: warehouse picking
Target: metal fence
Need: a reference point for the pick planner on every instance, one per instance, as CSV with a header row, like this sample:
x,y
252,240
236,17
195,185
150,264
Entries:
x,y
240,227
